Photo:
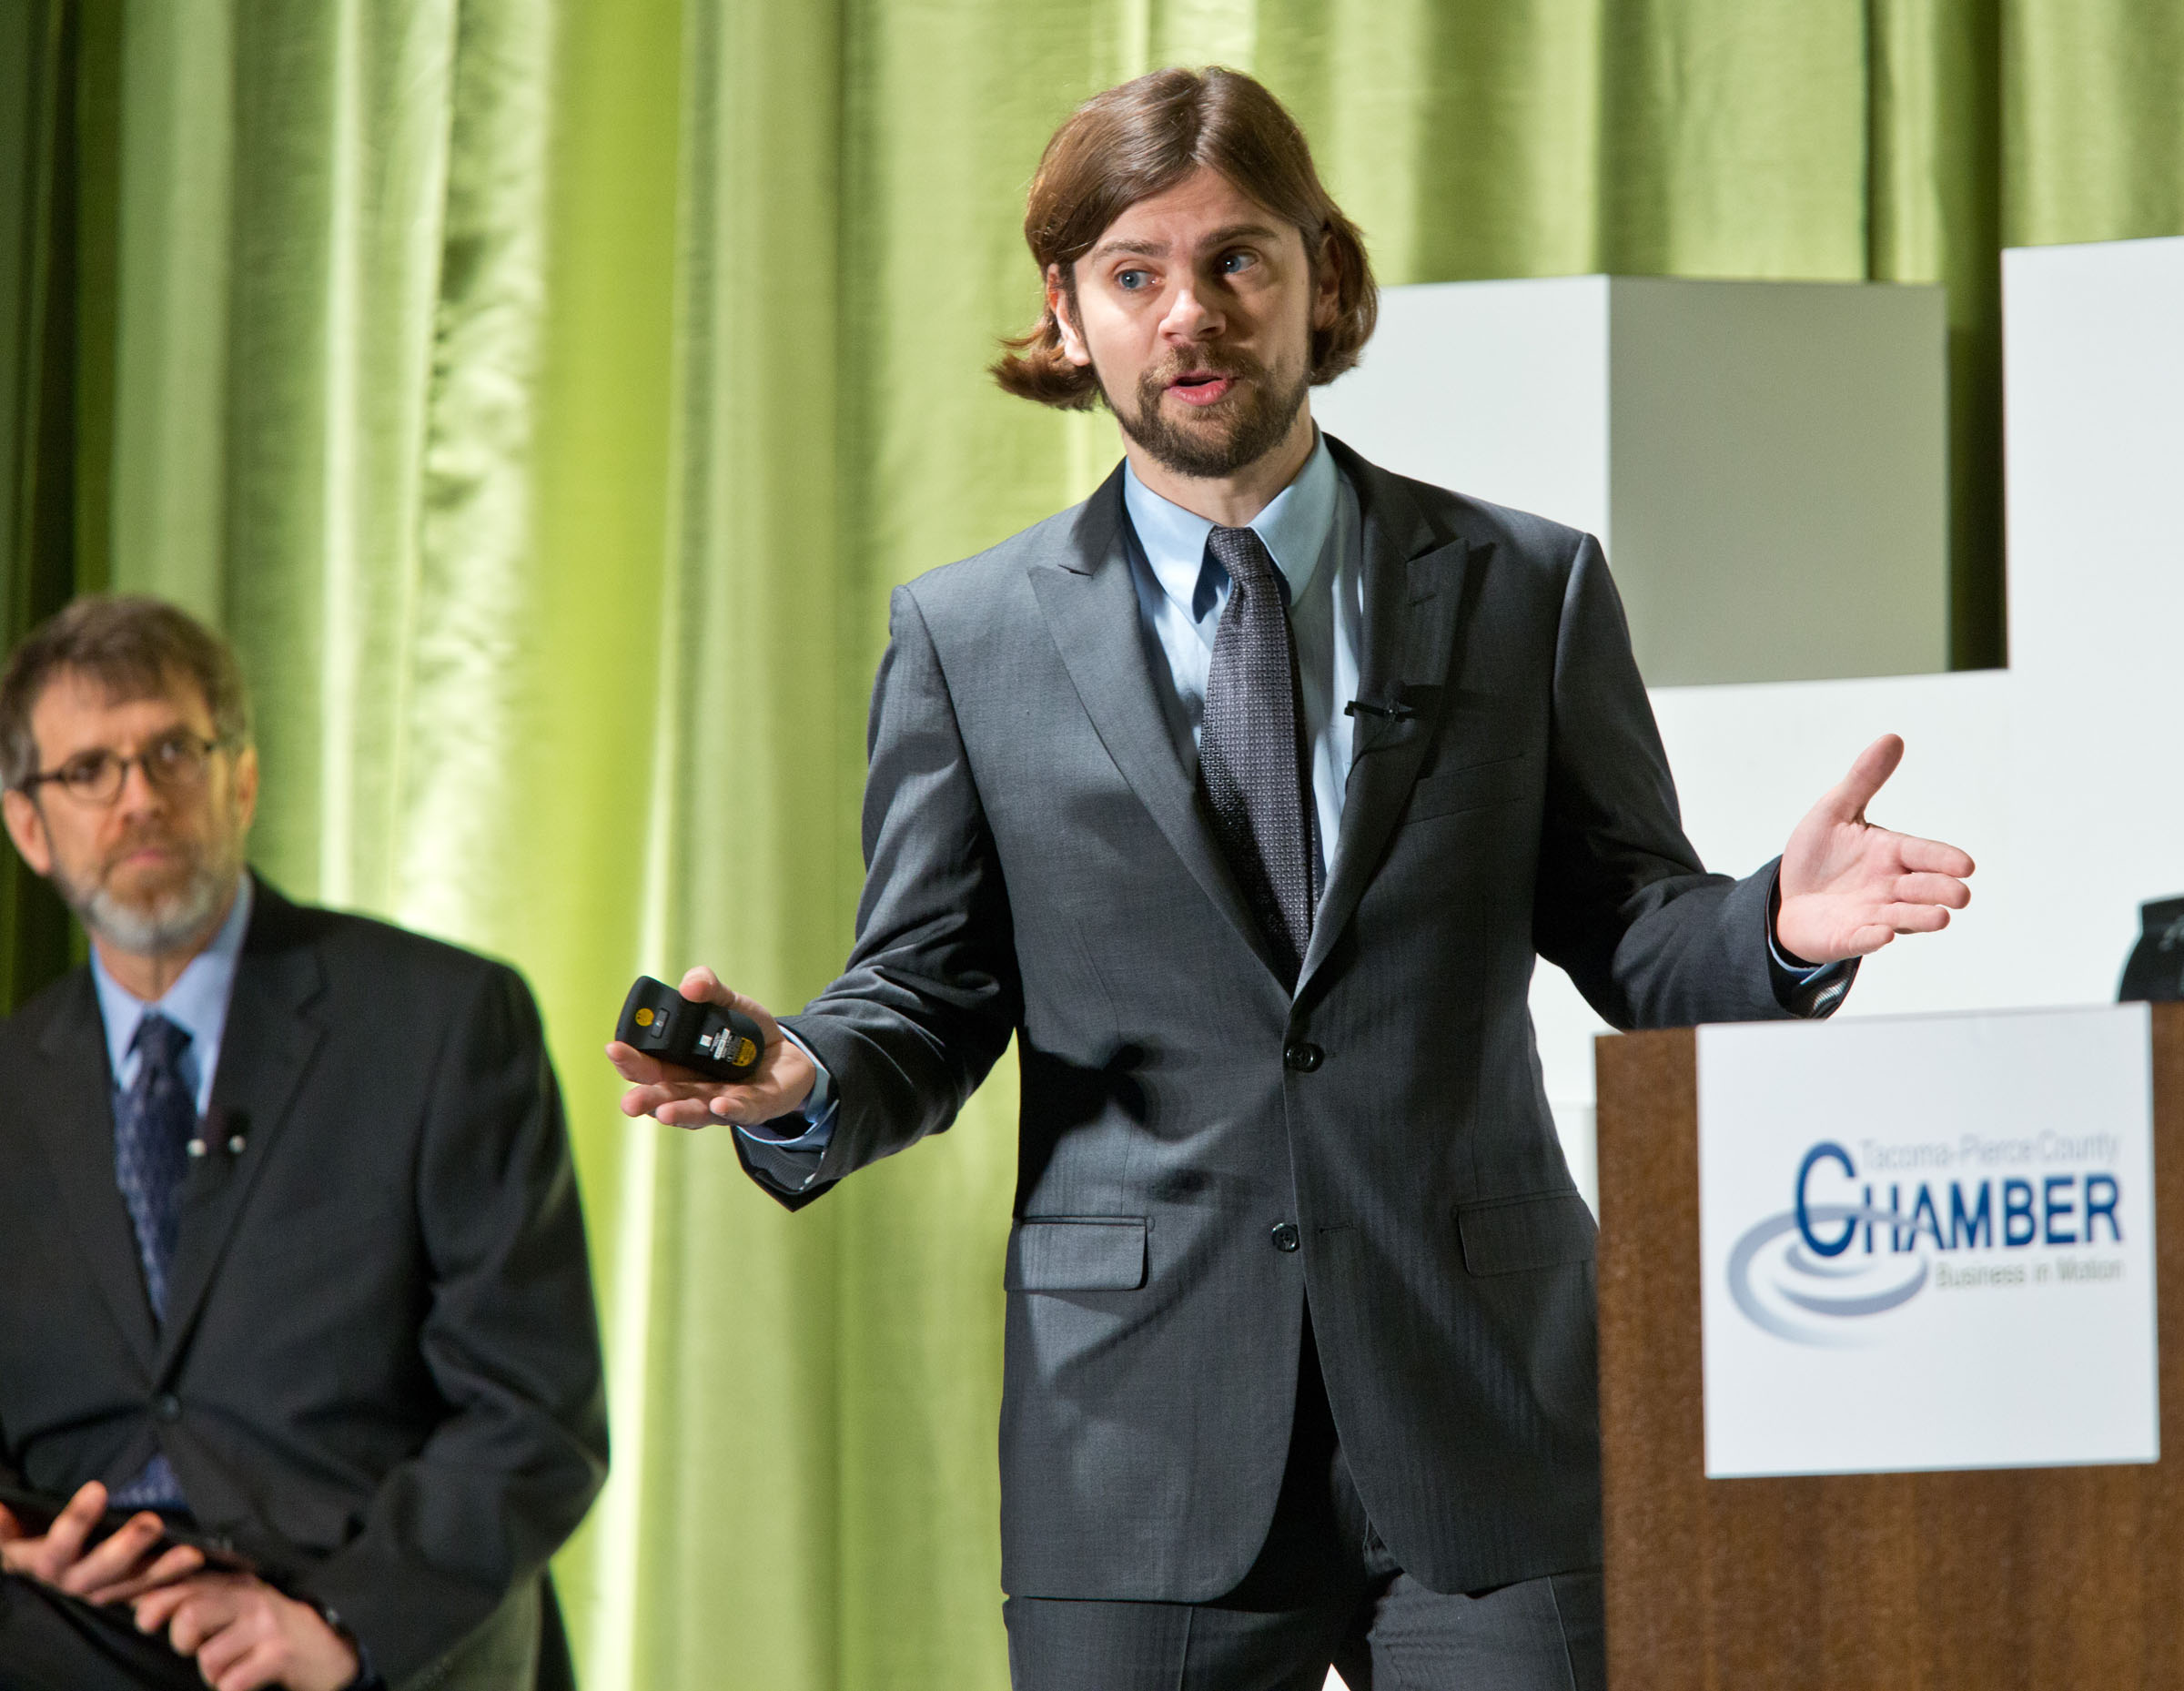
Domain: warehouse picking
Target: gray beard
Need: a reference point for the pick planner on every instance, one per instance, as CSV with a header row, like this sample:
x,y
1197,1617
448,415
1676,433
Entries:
x,y
159,929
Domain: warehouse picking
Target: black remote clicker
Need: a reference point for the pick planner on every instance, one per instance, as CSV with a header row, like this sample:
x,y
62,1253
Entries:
x,y
719,1043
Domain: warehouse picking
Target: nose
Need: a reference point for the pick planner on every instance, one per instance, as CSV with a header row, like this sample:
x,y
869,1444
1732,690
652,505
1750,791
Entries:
x,y
1191,316
138,792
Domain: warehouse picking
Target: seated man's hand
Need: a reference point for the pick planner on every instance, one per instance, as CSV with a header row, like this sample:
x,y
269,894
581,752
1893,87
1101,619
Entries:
x,y
683,1099
118,1568
245,1635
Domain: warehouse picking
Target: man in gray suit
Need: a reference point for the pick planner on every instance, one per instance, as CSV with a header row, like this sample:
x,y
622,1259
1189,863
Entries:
x,y
1242,796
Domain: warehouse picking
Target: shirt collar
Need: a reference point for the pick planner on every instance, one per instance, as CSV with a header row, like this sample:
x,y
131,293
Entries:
x,y
198,1001
1294,527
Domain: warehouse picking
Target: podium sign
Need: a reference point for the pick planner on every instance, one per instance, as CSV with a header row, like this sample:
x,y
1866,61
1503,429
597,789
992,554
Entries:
x,y
1928,1244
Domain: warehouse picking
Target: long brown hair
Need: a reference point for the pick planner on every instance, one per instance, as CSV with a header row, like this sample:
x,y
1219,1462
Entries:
x,y
1142,138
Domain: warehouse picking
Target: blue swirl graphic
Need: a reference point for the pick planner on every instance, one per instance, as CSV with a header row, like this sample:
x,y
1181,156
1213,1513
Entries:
x,y
1835,1306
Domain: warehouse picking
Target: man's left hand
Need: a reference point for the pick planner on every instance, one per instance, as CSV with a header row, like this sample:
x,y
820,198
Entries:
x,y
1849,887
245,1635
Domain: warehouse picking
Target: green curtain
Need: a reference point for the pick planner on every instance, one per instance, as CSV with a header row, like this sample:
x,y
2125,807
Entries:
x,y
545,394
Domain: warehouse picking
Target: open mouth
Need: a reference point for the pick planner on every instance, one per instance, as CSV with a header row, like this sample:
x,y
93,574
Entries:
x,y
1200,387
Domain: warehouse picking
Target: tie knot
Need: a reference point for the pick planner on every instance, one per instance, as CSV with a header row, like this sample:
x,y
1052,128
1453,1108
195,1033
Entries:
x,y
1244,555
160,1042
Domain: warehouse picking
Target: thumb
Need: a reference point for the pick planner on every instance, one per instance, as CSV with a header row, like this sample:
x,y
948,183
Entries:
x,y
1875,764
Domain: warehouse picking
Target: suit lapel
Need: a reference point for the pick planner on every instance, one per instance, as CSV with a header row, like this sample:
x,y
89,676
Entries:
x,y
267,1047
1412,586
1090,603
76,1130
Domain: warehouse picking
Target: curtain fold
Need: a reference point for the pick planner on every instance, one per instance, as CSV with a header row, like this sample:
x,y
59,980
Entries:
x,y
545,394
51,143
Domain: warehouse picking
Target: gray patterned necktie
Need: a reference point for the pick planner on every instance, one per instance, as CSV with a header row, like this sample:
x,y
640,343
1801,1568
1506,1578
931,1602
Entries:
x,y
1250,762
153,1124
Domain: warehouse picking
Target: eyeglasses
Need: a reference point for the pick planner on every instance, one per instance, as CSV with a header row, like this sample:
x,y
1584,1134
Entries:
x,y
174,763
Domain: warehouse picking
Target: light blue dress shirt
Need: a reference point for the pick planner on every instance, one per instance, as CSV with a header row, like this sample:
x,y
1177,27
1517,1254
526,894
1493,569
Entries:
x,y
196,1003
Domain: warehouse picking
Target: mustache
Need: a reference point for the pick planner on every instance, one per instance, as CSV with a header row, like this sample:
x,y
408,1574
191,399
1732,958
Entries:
x,y
138,839
1226,362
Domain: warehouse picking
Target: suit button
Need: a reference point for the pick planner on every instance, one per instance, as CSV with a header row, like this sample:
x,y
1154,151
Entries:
x,y
167,1406
1285,1235
1302,1054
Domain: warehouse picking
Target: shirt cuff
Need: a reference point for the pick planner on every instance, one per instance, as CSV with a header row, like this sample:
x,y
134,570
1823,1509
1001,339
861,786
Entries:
x,y
787,1149
1814,990
811,1124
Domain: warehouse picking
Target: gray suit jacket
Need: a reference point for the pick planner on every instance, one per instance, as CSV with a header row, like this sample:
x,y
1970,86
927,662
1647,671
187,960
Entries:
x,y
1201,1149
380,1375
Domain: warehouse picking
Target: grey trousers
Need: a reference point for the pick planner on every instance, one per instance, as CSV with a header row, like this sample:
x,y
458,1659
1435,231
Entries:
x,y
1324,1592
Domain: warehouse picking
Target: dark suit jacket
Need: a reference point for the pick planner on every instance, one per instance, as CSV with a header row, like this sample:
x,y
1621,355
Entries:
x,y
1202,1150
379,1375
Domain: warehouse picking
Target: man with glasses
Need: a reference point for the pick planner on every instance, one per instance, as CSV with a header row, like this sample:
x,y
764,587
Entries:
x,y
291,1263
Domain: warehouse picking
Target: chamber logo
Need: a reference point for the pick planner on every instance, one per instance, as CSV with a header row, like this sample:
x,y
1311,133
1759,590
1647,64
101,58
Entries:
x,y
1851,1249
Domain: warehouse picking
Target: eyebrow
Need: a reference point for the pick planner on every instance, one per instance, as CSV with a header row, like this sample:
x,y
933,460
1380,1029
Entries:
x,y
1158,250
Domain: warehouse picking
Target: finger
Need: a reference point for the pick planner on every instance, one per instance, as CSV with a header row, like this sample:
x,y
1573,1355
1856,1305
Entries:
x,y
263,1664
224,1648
64,1540
652,1100
1867,940
1935,856
647,1070
10,1529
212,1602
201,1615
1914,918
113,1559
1931,889
1875,764
701,1112
158,1608
702,986
179,1562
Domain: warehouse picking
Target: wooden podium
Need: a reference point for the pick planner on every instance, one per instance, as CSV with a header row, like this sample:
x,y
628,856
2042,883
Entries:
x,y
2064,1579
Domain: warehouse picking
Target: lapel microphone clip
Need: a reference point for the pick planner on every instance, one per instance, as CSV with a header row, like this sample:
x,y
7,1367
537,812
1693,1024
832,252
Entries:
x,y
1395,710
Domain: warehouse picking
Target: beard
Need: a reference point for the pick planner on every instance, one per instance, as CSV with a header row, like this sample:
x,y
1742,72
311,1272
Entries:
x,y
168,920
1241,427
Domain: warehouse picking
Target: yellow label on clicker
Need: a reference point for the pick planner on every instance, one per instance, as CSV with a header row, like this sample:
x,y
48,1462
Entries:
x,y
745,1054
644,1016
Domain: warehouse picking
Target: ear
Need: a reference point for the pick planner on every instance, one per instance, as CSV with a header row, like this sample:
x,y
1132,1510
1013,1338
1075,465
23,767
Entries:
x,y
246,787
27,827
1058,308
1327,291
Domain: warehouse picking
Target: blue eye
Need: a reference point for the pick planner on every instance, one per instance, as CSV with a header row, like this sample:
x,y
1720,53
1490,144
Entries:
x,y
1131,281
1231,262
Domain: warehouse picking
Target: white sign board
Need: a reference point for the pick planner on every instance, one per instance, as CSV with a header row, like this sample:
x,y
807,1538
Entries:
x,y
1928,1242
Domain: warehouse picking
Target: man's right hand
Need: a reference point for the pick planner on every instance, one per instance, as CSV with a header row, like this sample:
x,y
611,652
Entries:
x,y
684,1099
118,1568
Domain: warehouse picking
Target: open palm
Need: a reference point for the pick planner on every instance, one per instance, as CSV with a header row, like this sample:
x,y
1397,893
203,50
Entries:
x,y
1849,887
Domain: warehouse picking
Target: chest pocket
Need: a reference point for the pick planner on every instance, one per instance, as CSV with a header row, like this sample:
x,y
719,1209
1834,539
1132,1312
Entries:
x,y
1470,786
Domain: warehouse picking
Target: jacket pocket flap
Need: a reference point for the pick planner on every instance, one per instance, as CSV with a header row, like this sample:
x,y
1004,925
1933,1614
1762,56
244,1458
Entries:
x,y
1077,1254
1468,786
1510,1235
